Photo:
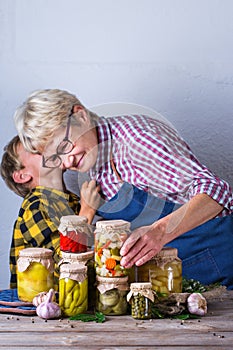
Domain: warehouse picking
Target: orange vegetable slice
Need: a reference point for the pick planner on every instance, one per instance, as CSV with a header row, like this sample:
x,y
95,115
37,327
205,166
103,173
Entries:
x,y
110,263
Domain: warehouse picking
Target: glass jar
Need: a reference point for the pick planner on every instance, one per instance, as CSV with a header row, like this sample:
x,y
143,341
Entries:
x,y
109,237
73,289
86,259
141,298
111,295
164,271
74,232
35,272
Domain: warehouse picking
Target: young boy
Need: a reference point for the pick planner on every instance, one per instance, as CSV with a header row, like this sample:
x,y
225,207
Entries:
x,y
45,202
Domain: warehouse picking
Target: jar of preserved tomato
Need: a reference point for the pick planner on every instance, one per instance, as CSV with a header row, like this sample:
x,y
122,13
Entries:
x,y
164,271
35,272
73,289
74,232
109,237
141,298
111,295
86,259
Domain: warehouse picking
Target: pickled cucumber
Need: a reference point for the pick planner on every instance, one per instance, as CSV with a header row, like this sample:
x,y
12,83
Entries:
x,y
112,302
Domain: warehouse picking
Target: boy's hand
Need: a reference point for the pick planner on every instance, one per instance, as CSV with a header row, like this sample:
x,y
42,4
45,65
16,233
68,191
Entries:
x,y
90,199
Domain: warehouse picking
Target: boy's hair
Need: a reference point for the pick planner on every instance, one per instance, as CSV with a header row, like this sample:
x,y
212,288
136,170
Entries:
x,y
42,114
11,163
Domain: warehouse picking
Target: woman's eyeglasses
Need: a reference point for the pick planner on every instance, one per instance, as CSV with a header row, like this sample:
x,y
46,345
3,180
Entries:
x,y
64,147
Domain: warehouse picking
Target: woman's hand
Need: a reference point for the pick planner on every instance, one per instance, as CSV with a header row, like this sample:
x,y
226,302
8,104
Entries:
x,y
142,245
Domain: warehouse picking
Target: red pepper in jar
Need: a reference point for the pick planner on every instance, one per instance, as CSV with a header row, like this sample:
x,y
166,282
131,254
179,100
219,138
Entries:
x,y
74,232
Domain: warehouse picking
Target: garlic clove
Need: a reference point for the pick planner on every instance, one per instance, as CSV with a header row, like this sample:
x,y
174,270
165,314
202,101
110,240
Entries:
x,y
197,304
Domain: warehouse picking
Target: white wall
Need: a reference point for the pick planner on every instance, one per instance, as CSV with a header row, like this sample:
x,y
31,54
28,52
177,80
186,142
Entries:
x,y
174,56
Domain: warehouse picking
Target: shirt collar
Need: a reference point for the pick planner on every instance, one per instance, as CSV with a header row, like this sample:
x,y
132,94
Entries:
x,y
104,147
53,193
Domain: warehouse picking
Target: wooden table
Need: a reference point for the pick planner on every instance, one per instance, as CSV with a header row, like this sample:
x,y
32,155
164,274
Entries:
x,y
214,331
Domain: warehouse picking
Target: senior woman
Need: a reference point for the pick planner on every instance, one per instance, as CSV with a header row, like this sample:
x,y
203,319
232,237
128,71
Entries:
x,y
148,176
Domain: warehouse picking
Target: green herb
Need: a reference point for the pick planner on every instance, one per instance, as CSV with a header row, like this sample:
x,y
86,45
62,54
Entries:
x,y
192,286
185,316
98,317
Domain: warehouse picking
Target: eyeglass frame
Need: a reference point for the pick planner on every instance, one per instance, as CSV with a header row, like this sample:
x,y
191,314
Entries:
x,y
66,139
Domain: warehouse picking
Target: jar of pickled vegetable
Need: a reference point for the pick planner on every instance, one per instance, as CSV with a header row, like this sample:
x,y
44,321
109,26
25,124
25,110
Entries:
x,y
73,289
141,298
35,272
111,295
109,237
86,259
74,232
164,271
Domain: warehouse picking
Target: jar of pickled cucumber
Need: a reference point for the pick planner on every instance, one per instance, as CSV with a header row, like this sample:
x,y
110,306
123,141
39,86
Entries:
x,y
109,237
74,233
164,271
35,272
111,295
73,289
141,298
86,259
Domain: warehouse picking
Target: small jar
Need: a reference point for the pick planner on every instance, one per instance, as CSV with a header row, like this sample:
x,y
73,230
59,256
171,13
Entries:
x,y
73,289
111,295
86,259
164,272
35,272
141,298
74,232
109,237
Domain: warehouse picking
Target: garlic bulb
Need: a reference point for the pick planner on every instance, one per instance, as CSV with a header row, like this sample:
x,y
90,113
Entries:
x,y
197,304
48,309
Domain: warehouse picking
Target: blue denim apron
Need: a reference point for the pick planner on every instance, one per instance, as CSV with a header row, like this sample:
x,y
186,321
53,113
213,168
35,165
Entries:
x,y
206,251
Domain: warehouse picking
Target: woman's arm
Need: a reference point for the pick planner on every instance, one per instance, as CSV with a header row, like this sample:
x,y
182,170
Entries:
x,y
145,242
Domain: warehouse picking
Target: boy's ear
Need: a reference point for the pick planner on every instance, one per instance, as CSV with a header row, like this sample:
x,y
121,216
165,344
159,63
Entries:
x,y
20,177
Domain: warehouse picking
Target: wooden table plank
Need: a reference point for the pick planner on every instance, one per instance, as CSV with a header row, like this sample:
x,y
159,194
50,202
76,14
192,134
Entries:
x,y
213,331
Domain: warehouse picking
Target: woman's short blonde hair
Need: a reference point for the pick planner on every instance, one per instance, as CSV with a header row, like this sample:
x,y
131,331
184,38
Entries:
x,y
41,115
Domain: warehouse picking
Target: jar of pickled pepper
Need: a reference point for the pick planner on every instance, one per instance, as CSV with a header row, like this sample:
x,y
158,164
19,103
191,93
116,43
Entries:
x,y
164,271
109,237
73,289
141,298
35,272
74,232
86,259
111,295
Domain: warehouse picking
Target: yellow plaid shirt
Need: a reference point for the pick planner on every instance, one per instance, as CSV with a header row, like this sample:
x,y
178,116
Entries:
x,y
37,224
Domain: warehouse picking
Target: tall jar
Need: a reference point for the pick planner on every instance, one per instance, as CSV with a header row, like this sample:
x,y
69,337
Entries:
x,y
164,271
109,237
35,272
111,295
74,233
141,298
73,289
86,259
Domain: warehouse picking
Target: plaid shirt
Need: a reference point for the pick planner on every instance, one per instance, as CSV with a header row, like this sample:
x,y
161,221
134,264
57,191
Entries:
x,y
38,221
150,154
